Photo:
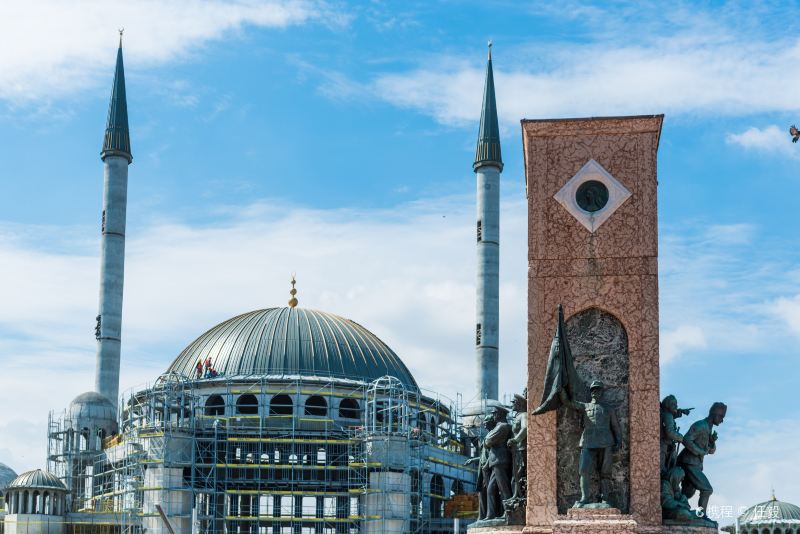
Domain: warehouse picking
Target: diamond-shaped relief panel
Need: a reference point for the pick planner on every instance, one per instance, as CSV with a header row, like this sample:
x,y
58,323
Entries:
x,y
592,195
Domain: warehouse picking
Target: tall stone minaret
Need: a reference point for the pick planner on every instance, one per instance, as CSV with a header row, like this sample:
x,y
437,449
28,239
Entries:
x,y
116,156
488,166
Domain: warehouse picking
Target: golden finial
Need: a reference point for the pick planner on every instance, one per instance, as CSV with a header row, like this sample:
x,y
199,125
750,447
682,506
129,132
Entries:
x,y
489,44
293,292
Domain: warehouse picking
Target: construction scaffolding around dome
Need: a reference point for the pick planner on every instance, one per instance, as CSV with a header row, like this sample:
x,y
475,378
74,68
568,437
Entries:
x,y
252,454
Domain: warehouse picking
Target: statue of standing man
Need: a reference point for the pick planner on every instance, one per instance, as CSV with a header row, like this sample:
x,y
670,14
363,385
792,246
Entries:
x,y
518,444
700,440
600,438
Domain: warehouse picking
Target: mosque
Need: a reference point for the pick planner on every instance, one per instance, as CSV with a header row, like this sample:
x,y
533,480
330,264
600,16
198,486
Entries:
x,y
284,420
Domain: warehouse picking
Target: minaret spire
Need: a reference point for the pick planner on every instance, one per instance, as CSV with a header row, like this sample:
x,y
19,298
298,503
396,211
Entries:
x,y
116,156
487,166
117,140
488,150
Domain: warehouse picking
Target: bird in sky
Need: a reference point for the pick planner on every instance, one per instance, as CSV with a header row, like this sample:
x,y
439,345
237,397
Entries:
x,y
795,133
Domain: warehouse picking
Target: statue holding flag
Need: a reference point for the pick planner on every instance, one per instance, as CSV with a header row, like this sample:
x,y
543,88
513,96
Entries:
x,y
601,431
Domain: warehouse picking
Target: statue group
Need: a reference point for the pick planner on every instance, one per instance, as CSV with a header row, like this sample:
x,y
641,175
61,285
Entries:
x,y
501,462
501,482
682,473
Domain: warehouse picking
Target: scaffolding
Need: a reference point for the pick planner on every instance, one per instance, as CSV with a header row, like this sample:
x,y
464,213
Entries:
x,y
270,455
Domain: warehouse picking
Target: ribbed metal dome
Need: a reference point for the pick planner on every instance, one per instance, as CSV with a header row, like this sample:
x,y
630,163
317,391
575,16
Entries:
x,y
37,479
769,512
293,342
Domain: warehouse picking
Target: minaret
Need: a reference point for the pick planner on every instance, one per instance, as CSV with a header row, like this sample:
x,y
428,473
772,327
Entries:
x,y
116,156
488,166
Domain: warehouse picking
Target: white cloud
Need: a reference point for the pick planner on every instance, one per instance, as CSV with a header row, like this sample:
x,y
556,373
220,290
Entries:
x,y
700,71
50,47
406,274
685,337
771,139
788,309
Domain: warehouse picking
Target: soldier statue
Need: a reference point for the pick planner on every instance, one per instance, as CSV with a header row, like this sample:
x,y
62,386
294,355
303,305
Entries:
x,y
601,437
700,440
493,465
518,444
670,434
484,473
674,504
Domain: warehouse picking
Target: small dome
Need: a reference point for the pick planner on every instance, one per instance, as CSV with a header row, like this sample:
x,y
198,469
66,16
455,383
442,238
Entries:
x,y
92,405
6,475
37,479
293,341
769,512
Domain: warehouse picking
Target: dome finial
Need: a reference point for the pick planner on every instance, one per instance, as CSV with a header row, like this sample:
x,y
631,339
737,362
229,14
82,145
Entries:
x,y
773,494
293,292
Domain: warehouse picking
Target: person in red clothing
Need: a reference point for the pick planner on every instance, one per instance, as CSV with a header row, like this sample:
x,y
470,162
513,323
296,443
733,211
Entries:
x,y
199,369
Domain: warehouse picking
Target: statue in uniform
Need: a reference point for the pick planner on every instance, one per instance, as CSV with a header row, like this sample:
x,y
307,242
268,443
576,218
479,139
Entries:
x,y
518,444
494,465
601,437
700,440
670,434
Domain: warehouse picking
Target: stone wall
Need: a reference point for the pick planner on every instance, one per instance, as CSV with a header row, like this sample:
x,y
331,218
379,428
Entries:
x,y
600,349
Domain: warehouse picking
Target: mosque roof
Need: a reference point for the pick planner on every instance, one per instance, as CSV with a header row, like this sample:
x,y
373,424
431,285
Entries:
x,y
293,341
117,139
37,479
6,475
487,152
769,512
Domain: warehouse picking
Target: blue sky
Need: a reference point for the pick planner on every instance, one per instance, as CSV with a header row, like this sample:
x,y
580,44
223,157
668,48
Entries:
x,y
335,140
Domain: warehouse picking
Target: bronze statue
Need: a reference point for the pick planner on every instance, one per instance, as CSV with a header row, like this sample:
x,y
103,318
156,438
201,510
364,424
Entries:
x,y
493,466
601,437
518,444
484,473
700,440
670,434
674,504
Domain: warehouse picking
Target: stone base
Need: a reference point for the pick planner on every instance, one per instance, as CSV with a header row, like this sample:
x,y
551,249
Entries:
x,y
594,521
618,524
506,529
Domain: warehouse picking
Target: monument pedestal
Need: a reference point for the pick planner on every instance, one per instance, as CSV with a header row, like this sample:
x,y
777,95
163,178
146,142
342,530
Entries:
x,y
594,521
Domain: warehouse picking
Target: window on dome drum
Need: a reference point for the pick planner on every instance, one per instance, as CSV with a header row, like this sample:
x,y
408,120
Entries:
x,y
281,405
247,404
349,409
316,405
215,405
437,497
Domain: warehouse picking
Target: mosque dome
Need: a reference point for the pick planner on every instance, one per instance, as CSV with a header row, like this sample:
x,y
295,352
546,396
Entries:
x,y
296,342
771,512
92,405
6,475
37,479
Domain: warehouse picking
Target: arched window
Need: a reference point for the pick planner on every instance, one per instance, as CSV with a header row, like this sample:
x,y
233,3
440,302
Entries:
x,y
215,405
456,488
281,405
316,405
84,440
247,404
349,409
437,497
